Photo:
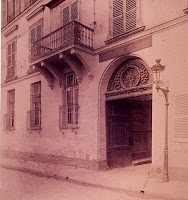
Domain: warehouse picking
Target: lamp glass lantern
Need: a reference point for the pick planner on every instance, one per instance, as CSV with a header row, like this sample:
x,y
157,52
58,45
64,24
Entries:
x,y
158,72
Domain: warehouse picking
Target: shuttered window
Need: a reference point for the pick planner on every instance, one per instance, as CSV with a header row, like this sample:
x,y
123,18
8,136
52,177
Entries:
x,y
70,12
124,16
14,9
181,116
11,10
11,59
4,12
17,7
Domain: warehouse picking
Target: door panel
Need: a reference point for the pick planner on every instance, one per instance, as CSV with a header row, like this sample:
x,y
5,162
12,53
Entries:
x,y
118,151
129,131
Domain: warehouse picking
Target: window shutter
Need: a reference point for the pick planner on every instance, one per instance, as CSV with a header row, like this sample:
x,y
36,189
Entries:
x,y
38,32
74,11
66,15
17,7
9,55
13,47
181,116
27,3
10,10
4,13
117,17
32,35
13,56
131,15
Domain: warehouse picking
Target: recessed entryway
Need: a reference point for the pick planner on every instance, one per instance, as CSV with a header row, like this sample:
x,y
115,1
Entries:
x,y
129,131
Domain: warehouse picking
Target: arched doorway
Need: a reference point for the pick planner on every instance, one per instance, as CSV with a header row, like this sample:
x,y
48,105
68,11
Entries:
x,y
128,111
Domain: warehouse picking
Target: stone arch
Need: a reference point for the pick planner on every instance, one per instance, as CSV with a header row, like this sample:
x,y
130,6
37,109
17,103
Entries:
x,y
103,86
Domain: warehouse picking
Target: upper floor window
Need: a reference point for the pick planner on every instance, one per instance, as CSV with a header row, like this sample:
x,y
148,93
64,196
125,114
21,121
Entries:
x,y
124,16
11,60
34,35
9,118
69,110
12,8
36,32
70,12
34,115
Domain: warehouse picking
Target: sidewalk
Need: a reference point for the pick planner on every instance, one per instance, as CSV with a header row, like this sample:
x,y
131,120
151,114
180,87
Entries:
x,y
133,179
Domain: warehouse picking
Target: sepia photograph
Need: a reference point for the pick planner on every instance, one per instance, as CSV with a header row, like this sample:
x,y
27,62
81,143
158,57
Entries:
x,y
94,100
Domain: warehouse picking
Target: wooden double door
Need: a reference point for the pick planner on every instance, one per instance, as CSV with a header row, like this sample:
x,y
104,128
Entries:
x,y
128,132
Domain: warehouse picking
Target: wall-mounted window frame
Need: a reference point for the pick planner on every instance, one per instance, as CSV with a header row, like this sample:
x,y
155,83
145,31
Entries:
x,y
11,59
35,33
34,114
69,111
70,11
9,117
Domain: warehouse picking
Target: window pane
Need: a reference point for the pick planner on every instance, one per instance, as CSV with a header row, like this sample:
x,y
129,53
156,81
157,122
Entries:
x,y
69,96
70,80
9,61
38,32
66,15
74,11
32,35
13,59
9,49
13,47
10,7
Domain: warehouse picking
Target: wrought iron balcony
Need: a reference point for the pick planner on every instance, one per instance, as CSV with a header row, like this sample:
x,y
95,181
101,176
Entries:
x,y
72,33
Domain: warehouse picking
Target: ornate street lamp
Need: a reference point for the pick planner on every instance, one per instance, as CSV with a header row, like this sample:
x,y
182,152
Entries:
x,y
158,70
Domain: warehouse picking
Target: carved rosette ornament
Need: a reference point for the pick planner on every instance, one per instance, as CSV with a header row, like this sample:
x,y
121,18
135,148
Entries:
x,y
129,75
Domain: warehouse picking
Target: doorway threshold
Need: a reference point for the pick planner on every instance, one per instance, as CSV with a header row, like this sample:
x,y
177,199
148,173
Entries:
x,y
141,161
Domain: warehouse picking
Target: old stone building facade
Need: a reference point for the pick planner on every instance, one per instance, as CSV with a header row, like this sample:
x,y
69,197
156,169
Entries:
x,y
77,85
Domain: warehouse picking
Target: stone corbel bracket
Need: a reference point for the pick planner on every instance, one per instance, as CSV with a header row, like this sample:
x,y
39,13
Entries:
x,y
54,71
75,66
87,61
47,75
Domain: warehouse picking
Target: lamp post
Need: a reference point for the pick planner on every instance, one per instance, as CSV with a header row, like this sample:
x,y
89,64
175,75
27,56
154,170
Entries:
x,y
158,70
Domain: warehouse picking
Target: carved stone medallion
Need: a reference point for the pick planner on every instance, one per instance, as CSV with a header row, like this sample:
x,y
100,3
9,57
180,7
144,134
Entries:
x,y
129,75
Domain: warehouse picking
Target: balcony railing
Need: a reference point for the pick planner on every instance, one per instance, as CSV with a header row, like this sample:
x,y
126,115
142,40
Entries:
x,y
9,121
70,34
34,119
